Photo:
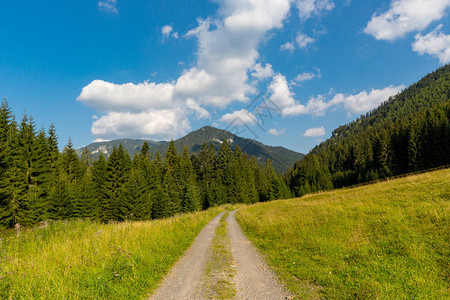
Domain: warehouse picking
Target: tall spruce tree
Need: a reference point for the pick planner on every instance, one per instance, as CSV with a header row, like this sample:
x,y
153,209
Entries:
x,y
6,171
103,208
41,176
71,175
190,198
118,172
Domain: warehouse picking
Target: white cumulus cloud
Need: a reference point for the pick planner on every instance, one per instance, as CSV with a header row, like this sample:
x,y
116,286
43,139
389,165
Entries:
x,y
405,16
283,98
159,124
364,101
228,49
239,117
106,96
434,43
261,72
314,132
227,55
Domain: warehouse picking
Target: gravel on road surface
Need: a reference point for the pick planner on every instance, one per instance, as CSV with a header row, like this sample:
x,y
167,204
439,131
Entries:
x,y
184,280
254,279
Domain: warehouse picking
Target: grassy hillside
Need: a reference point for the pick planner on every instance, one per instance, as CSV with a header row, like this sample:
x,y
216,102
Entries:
x,y
389,240
85,260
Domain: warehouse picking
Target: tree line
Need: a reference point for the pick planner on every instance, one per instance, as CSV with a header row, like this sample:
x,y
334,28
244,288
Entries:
x,y
409,132
37,182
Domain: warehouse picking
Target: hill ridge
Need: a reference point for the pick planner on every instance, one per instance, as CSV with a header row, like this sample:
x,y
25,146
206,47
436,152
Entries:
x,y
281,157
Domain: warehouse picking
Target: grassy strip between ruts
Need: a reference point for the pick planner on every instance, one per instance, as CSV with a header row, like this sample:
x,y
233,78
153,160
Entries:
x,y
387,241
85,260
219,273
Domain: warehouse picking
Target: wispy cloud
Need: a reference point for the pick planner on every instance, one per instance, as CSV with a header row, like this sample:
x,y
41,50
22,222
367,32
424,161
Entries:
x,y
287,47
305,76
109,6
167,31
308,8
276,132
303,41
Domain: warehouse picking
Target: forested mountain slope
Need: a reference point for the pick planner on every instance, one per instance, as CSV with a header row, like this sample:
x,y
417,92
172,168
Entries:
x,y
408,132
282,158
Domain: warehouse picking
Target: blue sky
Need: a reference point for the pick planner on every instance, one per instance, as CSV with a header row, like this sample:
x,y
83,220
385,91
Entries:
x,y
107,69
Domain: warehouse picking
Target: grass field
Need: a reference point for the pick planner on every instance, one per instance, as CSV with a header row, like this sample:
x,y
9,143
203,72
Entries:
x,y
387,241
85,260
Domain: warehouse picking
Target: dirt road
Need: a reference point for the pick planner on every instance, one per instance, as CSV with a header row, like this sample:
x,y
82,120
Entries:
x,y
185,278
253,279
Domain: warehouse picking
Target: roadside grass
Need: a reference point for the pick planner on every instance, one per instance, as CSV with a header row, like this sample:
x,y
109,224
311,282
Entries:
x,y
389,240
219,272
86,260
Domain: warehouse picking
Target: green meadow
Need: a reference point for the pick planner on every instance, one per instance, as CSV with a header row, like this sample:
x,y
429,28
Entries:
x,y
86,260
388,240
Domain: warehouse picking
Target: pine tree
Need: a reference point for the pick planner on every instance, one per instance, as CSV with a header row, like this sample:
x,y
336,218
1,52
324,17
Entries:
x,y
413,148
41,177
118,172
171,189
6,171
190,199
71,174
23,160
142,183
71,164
206,159
54,169
86,196
104,209
171,157
223,175
160,207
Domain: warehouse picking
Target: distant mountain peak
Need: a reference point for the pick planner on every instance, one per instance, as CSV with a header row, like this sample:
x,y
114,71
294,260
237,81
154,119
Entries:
x,y
281,157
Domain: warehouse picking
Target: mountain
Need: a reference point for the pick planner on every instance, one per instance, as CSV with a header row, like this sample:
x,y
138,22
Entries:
x,y
281,157
408,132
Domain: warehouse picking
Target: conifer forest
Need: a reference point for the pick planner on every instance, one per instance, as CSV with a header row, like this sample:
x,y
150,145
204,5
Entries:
x,y
38,182
407,133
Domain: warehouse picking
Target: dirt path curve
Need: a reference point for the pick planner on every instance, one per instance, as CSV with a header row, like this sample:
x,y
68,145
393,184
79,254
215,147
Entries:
x,y
254,279
185,278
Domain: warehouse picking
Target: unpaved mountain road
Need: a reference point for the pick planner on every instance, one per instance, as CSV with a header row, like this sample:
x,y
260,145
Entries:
x,y
184,280
253,280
